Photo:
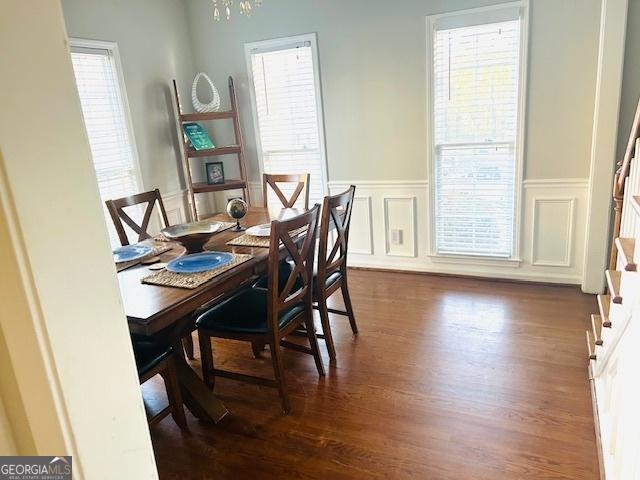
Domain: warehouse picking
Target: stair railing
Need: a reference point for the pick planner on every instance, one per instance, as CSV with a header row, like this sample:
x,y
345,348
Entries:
x,y
619,181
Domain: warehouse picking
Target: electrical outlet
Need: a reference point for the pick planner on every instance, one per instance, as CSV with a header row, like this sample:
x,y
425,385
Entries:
x,y
396,236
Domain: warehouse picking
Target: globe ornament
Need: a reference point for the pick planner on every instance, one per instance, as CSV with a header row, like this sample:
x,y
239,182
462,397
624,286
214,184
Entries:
x,y
237,209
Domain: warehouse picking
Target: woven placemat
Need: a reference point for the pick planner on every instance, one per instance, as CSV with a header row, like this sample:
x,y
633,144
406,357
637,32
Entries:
x,y
157,250
247,240
192,280
223,226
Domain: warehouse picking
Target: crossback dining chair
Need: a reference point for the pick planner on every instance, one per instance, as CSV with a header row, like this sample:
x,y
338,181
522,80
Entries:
x,y
332,262
153,359
301,183
120,218
267,315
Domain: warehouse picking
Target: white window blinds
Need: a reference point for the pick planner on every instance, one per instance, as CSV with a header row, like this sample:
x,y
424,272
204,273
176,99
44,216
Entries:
x,y
475,128
287,115
106,124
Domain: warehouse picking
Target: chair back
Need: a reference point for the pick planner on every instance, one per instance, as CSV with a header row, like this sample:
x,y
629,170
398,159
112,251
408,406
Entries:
x,y
120,217
296,288
336,219
301,185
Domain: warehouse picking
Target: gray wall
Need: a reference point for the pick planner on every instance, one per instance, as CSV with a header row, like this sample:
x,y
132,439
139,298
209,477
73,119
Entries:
x,y
155,47
372,62
631,77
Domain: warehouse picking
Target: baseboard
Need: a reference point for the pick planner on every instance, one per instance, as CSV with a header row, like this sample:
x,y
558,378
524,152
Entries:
x,y
596,423
460,275
507,274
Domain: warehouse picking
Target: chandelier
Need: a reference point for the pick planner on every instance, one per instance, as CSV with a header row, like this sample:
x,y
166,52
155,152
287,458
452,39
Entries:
x,y
246,7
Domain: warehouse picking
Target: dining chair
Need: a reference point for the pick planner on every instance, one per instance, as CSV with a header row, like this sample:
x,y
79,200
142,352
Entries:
x,y
120,218
267,315
153,359
301,185
332,263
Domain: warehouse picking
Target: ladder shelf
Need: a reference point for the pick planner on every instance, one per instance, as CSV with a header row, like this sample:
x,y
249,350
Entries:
x,y
188,152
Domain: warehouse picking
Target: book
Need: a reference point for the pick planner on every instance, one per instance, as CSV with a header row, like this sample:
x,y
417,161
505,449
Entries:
x,y
197,136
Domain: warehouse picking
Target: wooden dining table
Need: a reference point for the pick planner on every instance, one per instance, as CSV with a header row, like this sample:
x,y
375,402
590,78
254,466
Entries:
x,y
166,313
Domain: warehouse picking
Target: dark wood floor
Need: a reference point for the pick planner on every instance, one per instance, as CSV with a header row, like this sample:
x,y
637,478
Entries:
x,y
448,379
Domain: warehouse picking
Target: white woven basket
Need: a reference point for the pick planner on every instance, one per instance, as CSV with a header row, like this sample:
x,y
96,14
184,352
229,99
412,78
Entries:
x,y
213,105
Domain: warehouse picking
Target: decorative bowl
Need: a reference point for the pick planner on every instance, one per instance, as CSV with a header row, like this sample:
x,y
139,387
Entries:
x,y
192,236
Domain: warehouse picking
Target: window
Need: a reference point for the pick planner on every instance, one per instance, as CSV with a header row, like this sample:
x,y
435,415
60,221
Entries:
x,y
475,114
286,99
106,121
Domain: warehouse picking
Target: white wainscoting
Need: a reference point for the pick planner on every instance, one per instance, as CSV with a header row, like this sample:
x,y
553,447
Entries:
x,y
552,236
255,192
176,206
400,214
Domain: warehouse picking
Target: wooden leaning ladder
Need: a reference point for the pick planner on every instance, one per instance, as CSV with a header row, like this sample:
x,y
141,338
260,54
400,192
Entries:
x,y
189,153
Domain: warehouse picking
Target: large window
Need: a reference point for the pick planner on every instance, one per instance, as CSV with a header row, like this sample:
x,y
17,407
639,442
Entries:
x,y
106,121
475,115
285,93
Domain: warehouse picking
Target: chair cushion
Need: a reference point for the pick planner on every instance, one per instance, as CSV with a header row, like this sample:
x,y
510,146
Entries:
x,y
284,270
330,280
245,312
149,354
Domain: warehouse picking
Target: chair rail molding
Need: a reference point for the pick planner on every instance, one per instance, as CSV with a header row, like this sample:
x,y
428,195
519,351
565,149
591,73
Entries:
x,y
552,232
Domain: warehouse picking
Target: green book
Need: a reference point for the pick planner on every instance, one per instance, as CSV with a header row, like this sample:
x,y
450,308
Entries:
x,y
197,136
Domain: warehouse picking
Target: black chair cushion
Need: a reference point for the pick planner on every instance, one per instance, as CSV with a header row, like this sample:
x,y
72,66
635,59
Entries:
x,y
245,312
284,270
331,279
149,354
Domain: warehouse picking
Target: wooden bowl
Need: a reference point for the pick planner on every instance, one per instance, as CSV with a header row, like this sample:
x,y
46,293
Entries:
x,y
193,236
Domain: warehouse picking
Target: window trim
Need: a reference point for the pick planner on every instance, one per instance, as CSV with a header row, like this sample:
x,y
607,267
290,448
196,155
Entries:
x,y
112,48
279,44
431,22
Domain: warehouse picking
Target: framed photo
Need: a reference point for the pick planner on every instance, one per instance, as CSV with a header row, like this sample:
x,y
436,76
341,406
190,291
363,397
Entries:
x,y
215,172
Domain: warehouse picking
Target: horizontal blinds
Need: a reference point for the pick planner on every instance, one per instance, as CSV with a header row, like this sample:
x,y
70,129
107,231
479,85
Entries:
x,y
286,105
106,125
475,200
475,118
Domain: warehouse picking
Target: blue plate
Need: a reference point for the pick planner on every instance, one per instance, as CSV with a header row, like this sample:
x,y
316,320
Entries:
x,y
131,252
199,262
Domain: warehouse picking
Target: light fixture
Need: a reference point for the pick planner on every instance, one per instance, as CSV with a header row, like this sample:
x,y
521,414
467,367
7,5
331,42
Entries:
x,y
246,7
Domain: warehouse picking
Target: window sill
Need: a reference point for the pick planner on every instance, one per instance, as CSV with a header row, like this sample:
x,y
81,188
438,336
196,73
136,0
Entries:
x,y
474,260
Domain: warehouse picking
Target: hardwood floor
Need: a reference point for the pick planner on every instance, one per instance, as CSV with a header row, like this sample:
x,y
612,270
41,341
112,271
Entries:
x,y
449,378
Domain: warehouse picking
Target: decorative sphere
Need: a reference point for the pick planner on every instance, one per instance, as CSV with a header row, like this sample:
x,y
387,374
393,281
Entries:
x,y
237,208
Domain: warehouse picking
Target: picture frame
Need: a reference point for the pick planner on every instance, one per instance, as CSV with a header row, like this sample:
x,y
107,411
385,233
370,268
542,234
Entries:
x,y
214,172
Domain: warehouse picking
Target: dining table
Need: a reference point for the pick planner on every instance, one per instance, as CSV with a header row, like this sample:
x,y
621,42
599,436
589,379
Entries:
x,y
167,313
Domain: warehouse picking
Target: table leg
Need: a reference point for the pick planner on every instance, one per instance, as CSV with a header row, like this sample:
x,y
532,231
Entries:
x,y
197,397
